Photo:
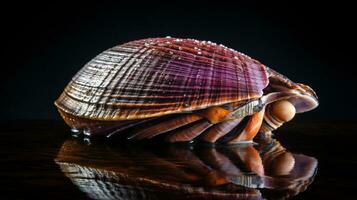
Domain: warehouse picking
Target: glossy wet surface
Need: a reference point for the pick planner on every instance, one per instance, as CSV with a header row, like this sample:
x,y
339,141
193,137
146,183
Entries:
x,y
308,160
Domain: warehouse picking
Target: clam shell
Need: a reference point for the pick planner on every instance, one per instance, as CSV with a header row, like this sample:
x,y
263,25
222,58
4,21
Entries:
x,y
159,76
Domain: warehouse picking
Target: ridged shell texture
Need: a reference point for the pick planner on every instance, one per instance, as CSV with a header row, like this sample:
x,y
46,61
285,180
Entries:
x,y
154,77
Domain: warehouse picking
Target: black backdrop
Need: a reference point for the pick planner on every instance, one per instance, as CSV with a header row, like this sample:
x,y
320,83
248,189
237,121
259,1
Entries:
x,y
45,45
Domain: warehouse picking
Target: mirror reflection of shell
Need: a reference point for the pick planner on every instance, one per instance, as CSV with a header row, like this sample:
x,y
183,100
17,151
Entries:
x,y
186,87
140,171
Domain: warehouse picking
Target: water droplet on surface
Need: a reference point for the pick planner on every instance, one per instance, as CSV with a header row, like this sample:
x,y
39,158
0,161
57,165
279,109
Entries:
x,y
199,52
168,36
86,132
187,105
171,52
87,141
180,48
75,132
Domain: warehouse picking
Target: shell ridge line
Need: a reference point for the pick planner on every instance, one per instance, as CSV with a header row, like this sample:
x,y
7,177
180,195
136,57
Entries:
x,y
163,80
122,89
216,95
158,113
77,92
166,67
78,74
126,67
237,66
187,79
149,73
95,89
88,82
235,76
222,65
212,73
162,77
123,95
123,103
244,66
202,55
114,77
83,86
80,83
139,87
225,82
204,47
224,94
127,57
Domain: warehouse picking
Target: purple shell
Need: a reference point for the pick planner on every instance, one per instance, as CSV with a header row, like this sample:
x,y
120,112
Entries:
x,y
155,77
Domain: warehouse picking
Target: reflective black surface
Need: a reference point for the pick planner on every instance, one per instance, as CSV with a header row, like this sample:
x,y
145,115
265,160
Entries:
x,y
41,159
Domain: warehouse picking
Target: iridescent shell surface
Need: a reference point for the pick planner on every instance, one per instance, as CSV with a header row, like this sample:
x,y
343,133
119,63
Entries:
x,y
160,76
190,88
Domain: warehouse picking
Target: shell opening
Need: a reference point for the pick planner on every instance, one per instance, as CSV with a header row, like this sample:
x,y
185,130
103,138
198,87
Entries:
x,y
303,103
304,98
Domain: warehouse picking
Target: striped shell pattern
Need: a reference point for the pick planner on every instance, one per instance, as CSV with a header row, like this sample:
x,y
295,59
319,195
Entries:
x,y
184,88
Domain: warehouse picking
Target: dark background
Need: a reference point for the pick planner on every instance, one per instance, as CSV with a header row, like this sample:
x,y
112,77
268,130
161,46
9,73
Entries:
x,y
45,45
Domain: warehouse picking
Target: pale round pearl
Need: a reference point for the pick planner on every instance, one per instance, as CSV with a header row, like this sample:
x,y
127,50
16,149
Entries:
x,y
283,110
